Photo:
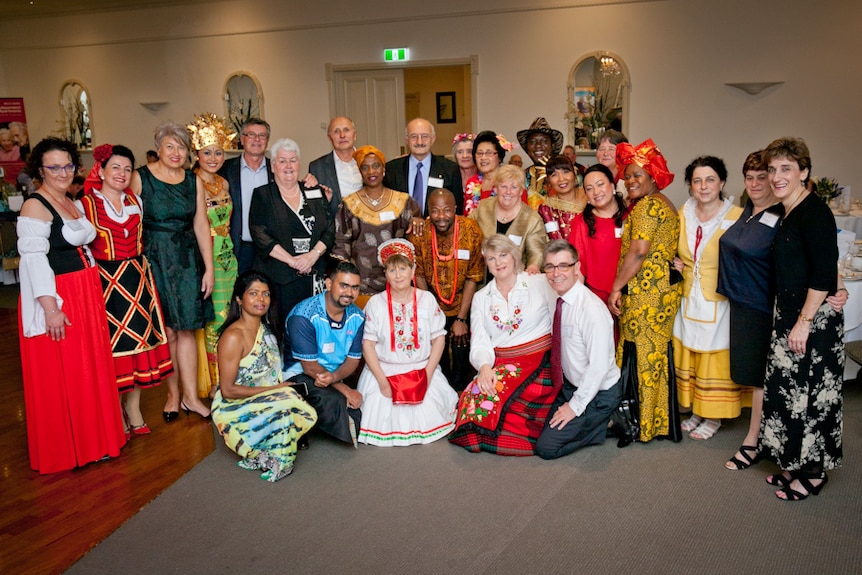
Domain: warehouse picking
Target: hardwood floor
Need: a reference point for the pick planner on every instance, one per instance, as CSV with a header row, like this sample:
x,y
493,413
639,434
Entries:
x,y
47,522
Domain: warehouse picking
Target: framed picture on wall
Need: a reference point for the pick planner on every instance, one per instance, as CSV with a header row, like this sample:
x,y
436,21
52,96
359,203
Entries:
x,y
446,107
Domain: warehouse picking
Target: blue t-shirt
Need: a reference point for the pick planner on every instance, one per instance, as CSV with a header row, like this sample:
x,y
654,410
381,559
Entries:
x,y
311,335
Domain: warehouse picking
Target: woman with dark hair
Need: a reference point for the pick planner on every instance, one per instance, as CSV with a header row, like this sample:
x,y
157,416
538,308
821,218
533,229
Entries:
x,y
70,388
260,417
597,231
701,331
567,198
489,150
178,245
644,294
801,428
142,357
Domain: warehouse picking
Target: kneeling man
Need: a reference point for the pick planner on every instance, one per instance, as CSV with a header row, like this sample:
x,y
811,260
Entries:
x,y
582,355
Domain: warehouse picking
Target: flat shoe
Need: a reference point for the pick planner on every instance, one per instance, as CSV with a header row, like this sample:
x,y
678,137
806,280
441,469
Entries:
x,y
142,429
691,423
705,430
737,464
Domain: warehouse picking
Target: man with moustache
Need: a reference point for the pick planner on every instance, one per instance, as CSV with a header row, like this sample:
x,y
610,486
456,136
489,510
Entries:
x,y
337,170
322,347
449,264
582,356
420,172
540,142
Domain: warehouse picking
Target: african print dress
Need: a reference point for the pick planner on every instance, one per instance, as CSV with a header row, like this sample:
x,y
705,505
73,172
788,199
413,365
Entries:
x,y
647,313
266,425
142,357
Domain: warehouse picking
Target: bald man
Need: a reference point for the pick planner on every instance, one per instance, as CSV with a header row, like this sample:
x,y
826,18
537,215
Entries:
x,y
337,170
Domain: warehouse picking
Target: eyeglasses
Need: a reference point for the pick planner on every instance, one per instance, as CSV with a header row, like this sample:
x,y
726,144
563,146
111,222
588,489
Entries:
x,y
423,137
549,268
254,136
486,153
67,169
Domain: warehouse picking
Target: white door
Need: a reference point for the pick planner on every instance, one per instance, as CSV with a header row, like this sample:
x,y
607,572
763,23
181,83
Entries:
x,y
374,100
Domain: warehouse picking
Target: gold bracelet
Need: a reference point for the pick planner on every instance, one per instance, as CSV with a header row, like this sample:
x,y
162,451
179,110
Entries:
x,y
803,318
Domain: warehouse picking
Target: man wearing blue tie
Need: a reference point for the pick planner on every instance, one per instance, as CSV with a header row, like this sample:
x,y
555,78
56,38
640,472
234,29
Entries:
x,y
420,172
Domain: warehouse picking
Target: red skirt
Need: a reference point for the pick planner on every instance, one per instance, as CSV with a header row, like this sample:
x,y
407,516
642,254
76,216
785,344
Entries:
x,y
70,388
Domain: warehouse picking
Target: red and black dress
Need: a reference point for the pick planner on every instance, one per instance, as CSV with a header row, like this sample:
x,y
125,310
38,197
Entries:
x,y
138,342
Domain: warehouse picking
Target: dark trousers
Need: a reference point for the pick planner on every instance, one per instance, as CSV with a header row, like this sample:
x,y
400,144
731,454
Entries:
x,y
333,414
244,257
455,361
588,428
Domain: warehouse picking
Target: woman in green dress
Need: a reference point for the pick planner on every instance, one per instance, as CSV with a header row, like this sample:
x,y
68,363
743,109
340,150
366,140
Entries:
x,y
210,139
260,417
644,295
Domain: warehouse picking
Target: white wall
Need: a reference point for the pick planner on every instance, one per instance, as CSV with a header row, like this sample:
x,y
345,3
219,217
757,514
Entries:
x,y
680,54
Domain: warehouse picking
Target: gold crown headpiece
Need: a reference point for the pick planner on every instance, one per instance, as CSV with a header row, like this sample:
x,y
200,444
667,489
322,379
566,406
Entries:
x,y
209,129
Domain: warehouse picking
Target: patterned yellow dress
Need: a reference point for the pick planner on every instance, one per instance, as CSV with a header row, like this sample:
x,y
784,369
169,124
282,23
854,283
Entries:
x,y
648,311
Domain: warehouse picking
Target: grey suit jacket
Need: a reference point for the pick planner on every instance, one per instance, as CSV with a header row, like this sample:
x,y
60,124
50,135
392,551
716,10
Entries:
x,y
323,169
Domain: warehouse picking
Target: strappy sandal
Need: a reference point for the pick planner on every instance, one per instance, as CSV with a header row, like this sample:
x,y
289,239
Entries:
x,y
706,429
779,479
745,459
793,495
691,423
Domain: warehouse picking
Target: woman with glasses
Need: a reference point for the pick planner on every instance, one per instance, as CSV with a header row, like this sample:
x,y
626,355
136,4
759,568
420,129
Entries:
x,y
70,387
504,409
489,150
178,244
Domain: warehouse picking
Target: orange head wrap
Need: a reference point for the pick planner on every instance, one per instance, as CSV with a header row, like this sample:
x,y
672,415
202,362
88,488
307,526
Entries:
x,y
360,153
647,156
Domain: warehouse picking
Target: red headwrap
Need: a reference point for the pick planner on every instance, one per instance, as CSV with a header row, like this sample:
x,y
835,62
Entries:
x,y
647,156
93,181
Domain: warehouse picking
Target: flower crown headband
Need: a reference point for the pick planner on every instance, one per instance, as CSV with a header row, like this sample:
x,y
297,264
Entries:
x,y
463,137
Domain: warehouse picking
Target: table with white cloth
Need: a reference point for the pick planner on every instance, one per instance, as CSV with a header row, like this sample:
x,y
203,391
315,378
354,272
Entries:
x,y
853,319
851,221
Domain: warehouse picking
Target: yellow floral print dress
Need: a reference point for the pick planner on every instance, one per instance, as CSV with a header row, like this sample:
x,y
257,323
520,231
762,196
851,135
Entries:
x,y
649,308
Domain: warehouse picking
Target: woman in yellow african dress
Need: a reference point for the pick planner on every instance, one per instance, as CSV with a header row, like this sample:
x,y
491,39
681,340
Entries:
x,y
645,295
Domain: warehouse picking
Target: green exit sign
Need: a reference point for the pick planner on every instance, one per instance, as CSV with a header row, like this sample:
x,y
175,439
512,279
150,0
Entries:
x,y
396,54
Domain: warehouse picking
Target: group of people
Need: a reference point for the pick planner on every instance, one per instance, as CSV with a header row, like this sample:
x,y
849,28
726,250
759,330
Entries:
x,y
397,302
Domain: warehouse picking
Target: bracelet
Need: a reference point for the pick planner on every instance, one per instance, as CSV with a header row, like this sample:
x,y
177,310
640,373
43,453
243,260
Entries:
x,y
54,310
461,319
803,318
319,252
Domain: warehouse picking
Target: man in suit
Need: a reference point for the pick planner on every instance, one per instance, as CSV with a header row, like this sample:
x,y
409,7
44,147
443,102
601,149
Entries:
x,y
337,170
248,171
422,167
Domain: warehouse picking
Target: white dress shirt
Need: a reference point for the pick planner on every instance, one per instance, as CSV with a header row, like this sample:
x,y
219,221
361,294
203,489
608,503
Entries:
x,y
349,178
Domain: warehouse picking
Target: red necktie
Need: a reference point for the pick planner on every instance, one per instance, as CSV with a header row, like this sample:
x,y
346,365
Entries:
x,y
557,346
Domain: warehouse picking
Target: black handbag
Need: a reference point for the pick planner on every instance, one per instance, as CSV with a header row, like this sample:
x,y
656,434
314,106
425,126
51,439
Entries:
x,y
626,418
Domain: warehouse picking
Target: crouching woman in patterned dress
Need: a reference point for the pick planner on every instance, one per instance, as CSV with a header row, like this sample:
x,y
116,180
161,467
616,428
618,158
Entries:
x,y
260,417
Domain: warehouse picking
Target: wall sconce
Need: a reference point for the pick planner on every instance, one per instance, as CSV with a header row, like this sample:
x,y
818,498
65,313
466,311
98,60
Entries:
x,y
752,88
153,106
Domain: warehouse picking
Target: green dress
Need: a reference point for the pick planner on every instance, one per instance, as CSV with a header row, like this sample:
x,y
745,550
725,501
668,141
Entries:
x,y
263,428
648,311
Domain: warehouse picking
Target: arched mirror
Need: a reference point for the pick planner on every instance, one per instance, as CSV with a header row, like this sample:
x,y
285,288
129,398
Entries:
x,y
598,98
243,99
76,109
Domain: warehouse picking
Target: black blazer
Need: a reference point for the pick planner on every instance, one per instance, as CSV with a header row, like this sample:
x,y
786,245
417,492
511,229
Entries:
x,y
230,172
323,169
398,172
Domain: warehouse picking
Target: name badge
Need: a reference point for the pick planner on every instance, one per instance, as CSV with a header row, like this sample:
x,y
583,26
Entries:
x,y
464,255
516,240
552,226
313,194
301,245
328,347
74,225
618,233
768,219
725,224
133,210
435,182
387,216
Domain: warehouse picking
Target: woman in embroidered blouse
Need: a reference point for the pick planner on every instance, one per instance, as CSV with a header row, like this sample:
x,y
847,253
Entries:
x,y
70,388
701,331
292,231
405,332
260,417
142,357
462,151
503,410
368,218
566,199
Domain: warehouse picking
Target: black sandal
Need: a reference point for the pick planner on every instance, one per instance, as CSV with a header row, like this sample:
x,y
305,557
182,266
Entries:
x,y
793,495
779,480
746,461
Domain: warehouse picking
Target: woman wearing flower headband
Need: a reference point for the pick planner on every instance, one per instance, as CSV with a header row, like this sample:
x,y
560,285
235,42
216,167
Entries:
x,y
369,217
462,151
407,399
489,150
210,139
645,295
142,357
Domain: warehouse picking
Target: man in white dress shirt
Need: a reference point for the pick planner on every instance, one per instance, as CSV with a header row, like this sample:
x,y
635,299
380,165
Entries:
x,y
591,390
337,170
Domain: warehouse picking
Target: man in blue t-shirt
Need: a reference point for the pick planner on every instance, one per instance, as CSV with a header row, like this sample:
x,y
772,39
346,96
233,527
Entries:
x,y
323,346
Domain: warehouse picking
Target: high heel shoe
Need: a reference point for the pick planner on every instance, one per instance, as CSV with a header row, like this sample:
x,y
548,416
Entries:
x,y
189,411
780,480
748,456
793,495
170,416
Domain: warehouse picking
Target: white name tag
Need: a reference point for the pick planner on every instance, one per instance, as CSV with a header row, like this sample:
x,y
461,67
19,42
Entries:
x,y
387,216
618,233
567,331
74,225
552,226
328,347
725,224
435,182
768,219
463,254
133,210
313,194
301,245
516,240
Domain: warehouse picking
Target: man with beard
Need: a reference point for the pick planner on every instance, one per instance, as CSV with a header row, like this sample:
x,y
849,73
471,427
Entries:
x,y
420,172
338,170
322,347
540,142
449,264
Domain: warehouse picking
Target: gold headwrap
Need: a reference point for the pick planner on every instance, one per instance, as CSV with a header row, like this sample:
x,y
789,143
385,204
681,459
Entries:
x,y
360,153
209,129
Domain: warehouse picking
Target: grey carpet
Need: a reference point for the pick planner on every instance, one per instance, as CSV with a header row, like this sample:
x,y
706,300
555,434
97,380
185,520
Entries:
x,y
653,508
